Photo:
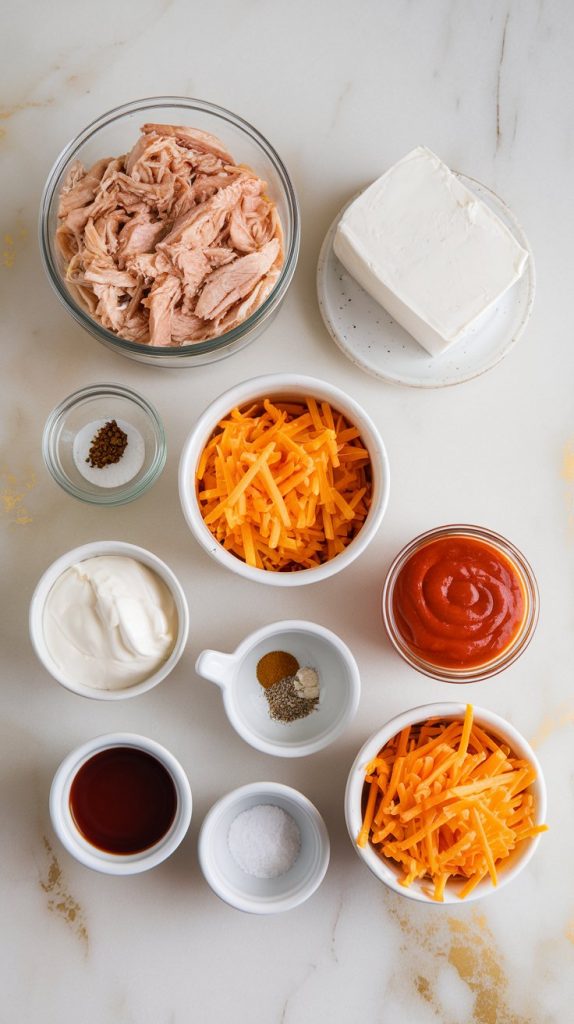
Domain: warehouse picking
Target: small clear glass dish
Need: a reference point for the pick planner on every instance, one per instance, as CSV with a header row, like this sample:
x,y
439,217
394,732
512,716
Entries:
x,y
471,673
73,424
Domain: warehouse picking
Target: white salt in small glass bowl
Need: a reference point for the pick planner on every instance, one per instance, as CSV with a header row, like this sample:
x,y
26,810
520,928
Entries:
x,y
263,895
387,870
75,842
67,437
244,699
53,573
283,386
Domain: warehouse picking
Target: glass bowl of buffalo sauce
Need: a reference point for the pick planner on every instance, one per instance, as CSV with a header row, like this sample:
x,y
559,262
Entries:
x,y
460,603
120,804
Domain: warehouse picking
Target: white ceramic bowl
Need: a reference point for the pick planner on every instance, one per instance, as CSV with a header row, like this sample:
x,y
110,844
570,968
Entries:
x,y
244,698
106,547
283,385
73,840
385,869
263,895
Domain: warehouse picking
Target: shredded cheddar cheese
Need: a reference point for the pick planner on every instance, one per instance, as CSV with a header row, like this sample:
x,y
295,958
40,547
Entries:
x,y
447,800
284,485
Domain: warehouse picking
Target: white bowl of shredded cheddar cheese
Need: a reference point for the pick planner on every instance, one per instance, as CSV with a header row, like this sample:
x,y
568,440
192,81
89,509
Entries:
x,y
284,479
446,803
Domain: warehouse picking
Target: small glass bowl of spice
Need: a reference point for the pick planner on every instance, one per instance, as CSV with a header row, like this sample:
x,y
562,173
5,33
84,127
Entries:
x,y
104,444
290,689
264,848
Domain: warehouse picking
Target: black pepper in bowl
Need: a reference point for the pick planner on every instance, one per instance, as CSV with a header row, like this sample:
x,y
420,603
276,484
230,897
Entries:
x,y
285,704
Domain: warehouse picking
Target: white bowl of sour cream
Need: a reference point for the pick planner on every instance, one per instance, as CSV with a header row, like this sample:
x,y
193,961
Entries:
x,y
109,620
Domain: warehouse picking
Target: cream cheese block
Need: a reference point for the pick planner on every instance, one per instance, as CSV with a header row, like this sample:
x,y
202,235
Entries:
x,y
428,250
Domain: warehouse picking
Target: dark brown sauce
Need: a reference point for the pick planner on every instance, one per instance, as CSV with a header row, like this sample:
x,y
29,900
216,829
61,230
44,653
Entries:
x,y
123,800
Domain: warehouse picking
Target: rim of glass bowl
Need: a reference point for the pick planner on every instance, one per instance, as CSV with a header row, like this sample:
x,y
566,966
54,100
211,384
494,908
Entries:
x,y
127,493
50,259
475,673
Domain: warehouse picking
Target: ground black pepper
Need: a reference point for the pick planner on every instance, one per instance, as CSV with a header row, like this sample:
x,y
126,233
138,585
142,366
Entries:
x,y
285,704
108,445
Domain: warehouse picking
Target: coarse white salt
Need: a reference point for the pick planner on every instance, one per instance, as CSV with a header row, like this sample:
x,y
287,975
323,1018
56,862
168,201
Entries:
x,y
118,473
264,841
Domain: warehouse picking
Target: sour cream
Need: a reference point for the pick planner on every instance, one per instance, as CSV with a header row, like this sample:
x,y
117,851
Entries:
x,y
109,622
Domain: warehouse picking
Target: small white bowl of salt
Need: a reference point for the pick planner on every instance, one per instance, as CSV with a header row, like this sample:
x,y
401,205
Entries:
x,y
264,848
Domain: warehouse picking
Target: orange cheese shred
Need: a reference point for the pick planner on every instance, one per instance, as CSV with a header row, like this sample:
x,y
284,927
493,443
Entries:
x,y
284,485
447,800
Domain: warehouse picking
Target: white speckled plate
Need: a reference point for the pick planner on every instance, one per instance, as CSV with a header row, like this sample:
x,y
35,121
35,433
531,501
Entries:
x,y
372,340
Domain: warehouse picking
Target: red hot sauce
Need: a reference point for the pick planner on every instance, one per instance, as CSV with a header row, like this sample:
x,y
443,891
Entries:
x,y
123,800
458,602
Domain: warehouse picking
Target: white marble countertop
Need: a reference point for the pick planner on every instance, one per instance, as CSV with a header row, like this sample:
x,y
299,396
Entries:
x,y
342,90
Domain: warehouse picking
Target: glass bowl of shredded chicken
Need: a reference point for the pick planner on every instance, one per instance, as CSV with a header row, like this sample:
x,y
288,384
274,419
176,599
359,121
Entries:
x,y
169,229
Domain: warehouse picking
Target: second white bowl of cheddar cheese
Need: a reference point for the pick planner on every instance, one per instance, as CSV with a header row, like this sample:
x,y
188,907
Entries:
x,y
490,757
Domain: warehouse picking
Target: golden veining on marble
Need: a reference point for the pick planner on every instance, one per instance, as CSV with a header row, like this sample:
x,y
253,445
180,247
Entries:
x,y
465,944
10,242
568,476
551,724
423,987
568,462
60,901
7,112
13,490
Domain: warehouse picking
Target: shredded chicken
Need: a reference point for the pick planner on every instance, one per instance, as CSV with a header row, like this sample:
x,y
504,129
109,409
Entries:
x,y
171,244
